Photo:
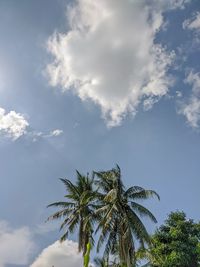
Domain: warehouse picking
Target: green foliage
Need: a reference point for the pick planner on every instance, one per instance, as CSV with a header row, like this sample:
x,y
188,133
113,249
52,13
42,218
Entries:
x,y
77,211
104,205
120,224
101,262
176,243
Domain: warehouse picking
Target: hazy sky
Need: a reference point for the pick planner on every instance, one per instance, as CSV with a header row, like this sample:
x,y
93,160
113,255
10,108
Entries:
x,y
87,84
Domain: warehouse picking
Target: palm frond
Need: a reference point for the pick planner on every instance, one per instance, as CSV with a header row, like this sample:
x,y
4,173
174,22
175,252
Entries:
x,y
59,214
70,187
144,194
133,189
143,211
62,204
64,237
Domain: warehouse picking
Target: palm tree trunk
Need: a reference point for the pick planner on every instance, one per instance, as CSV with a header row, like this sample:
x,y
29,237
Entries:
x,y
128,261
87,255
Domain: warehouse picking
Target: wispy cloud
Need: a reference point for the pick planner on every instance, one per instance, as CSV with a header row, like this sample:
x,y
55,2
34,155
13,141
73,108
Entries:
x,y
193,24
174,4
111,57
44,228
16,245
35,136
59,254
56,132
12,124
191,108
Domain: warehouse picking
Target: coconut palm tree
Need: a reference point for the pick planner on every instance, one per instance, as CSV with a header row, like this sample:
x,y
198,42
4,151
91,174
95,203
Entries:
x,y
76,209
105,262
101,262
120,212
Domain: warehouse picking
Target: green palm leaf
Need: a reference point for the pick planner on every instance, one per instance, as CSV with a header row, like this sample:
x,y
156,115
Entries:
x,y
120,224
78,211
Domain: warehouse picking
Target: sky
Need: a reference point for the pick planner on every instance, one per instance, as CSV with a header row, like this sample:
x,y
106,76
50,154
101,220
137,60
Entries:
x,y
85,85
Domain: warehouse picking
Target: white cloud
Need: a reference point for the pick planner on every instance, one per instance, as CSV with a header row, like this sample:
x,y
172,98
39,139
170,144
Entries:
x,y
59,254
191,109
110,56
35,136
16,245
193,23
179,94
56,132
12,124
178,3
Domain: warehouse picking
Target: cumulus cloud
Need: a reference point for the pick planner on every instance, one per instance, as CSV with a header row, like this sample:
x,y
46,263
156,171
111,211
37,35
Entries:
x,y
16,245
191,108
12,124
110,55
59,254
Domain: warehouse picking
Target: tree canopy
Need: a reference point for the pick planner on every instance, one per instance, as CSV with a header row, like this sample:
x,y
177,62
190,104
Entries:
x,y
176,243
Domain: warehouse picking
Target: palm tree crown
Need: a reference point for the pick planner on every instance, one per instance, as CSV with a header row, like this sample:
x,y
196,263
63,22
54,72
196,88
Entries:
x,y
120,221
76,210
113,209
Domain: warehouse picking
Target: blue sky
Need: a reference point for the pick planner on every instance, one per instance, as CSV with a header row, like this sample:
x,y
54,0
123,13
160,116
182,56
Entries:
x,y
88,84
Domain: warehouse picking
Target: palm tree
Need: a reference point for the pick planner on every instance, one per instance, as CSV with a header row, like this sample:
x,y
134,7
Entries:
x,y
101,262
104,262
75,211
120,222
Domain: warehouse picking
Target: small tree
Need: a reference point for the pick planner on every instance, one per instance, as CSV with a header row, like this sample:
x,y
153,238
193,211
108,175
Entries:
x,y
176,243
